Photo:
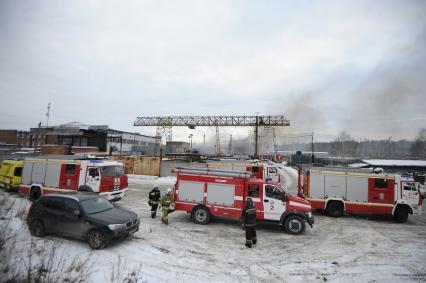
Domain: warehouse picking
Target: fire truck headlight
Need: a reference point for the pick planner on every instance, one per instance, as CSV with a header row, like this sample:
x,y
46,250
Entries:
x,y
116,226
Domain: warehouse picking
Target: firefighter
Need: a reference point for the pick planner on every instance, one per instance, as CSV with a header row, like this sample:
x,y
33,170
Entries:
x,y
166,202
249,223
154,200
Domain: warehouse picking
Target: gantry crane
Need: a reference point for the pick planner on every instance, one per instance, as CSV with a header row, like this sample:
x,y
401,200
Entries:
x,y
215,121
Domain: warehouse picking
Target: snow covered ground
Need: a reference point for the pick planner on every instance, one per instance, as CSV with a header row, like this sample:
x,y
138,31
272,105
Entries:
x,y
351,249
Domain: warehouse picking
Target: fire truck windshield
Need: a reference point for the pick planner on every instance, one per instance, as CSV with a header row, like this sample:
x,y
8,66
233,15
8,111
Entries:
x,y
112,171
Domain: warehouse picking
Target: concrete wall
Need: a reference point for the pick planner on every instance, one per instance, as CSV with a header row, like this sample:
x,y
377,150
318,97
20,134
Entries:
x,y
140,165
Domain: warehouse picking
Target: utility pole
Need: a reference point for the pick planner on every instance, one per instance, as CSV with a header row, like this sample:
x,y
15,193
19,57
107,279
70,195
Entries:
x,y
48,115
256,138
230,145
312,148
47,122
204,139
274,138
218,152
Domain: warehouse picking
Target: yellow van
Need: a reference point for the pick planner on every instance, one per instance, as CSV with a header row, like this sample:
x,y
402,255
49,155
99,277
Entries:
x,y
10,174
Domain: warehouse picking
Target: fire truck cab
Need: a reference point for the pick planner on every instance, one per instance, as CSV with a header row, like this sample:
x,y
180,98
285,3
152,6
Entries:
x,y
43,176
207,193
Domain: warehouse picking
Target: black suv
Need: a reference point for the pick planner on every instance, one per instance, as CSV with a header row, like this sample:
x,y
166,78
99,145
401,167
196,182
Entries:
x,y
83,216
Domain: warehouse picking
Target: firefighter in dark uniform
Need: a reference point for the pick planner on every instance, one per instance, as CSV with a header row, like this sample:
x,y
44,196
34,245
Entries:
x,y
166,205
249,223
154,200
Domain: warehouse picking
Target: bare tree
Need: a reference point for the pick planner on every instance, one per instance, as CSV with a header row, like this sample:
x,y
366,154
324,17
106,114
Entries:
x,y
418,148
344,145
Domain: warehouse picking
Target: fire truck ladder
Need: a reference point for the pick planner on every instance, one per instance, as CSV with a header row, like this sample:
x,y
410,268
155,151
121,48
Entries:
x,y
206,171
216,121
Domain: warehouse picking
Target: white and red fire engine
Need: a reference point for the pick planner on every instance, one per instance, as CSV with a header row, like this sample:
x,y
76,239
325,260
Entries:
x,y
43,176
336,191
205,193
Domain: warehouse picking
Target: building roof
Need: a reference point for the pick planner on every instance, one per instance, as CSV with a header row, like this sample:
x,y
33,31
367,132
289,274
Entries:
x,y
395,162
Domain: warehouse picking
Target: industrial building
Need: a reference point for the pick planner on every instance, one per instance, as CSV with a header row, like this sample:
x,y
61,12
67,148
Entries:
x,y
82,135
106,139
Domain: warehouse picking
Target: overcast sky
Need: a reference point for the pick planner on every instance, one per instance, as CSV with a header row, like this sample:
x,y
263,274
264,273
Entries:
x,y
328,66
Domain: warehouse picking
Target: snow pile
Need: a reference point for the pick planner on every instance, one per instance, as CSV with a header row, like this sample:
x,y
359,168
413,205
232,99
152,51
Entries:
x,y
162,182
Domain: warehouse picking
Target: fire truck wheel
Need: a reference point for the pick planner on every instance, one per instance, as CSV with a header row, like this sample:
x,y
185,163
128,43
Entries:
x,y
334,209
401,214
37,229
200,215
35,193
294,225
96,239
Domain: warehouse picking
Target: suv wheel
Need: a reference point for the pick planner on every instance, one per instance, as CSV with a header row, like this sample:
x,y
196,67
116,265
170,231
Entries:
x,y
96,239
37,229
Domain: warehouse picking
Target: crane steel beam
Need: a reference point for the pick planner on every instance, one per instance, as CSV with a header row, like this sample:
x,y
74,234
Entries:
x,y
205,121
216,121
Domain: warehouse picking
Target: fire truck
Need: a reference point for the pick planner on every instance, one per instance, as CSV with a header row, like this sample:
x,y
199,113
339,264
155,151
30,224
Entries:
x,y
339,190
206,193
43,176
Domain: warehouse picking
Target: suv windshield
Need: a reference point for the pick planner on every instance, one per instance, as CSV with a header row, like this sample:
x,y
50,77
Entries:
x,y
95,205
112,171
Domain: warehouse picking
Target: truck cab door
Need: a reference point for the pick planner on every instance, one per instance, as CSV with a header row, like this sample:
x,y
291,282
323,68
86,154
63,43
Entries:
x,y
410,193
273,205
93,178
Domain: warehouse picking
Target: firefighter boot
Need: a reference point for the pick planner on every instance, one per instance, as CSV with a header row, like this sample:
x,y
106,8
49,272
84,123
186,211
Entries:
x,y
152,214
254,240
248,244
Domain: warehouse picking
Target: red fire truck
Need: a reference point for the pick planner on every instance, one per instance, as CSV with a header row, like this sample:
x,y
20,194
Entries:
x,y
43,176
205,193
339,190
